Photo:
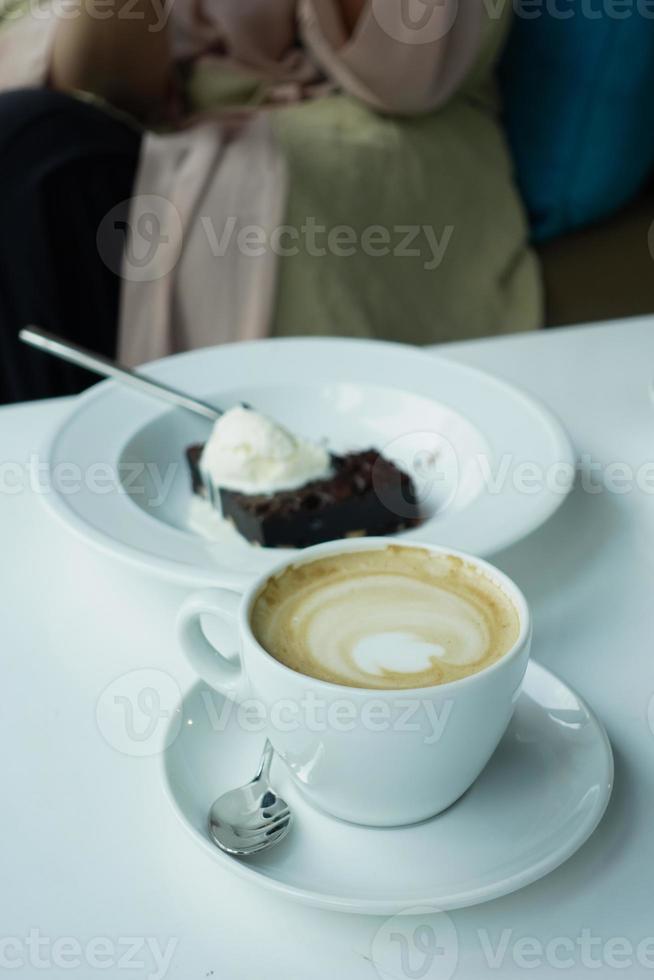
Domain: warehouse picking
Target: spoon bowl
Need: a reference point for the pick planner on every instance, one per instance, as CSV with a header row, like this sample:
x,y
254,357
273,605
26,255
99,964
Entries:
x,y
251,818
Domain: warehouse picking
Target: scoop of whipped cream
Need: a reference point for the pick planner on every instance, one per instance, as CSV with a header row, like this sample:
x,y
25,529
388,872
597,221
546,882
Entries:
x,y
250,453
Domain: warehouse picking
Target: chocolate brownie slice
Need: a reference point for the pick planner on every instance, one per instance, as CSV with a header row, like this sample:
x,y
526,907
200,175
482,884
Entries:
x,y
365,495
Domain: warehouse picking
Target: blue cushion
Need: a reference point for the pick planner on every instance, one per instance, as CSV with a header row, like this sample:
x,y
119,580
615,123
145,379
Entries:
x,y
579,108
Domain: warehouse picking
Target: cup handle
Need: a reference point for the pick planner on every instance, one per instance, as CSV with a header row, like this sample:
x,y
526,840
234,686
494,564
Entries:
x,y
221,672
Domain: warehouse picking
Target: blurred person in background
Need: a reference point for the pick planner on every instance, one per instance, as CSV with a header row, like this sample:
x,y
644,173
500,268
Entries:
x,y
235,169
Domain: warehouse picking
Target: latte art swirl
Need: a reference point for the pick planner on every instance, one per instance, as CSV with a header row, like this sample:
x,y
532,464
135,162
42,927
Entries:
x,y
390,618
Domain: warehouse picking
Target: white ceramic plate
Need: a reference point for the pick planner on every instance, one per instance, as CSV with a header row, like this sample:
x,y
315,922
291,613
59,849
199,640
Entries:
x,y
119,475
538,800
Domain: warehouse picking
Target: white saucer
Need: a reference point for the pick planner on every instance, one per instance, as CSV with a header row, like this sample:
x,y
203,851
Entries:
x,y
539,799
436,418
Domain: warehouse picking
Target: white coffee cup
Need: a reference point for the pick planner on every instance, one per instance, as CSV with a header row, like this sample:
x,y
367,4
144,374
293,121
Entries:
x,y
375,757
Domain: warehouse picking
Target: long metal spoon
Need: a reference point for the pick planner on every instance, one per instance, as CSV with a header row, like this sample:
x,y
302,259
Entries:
x,y
49,342
250,819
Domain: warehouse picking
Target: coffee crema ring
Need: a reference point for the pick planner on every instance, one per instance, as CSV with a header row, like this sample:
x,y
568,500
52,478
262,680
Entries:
x,y
391,618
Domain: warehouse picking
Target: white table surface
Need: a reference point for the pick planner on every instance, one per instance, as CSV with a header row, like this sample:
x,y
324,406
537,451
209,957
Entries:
x,y
90,847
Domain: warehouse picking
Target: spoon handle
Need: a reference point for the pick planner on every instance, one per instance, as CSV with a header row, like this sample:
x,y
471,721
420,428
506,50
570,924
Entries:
x,y
45,341
266,760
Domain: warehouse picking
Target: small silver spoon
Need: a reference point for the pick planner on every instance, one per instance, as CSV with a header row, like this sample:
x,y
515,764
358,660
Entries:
x,y
250,819
49,342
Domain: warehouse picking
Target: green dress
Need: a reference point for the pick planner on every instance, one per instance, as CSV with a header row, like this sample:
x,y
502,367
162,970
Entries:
x,y
450,171
356,259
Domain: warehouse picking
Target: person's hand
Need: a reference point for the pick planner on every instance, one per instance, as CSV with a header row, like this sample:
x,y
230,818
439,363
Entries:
x,y
351,10
124,59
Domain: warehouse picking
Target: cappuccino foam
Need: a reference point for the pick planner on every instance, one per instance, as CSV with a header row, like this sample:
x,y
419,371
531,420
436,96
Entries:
x,y
391,618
